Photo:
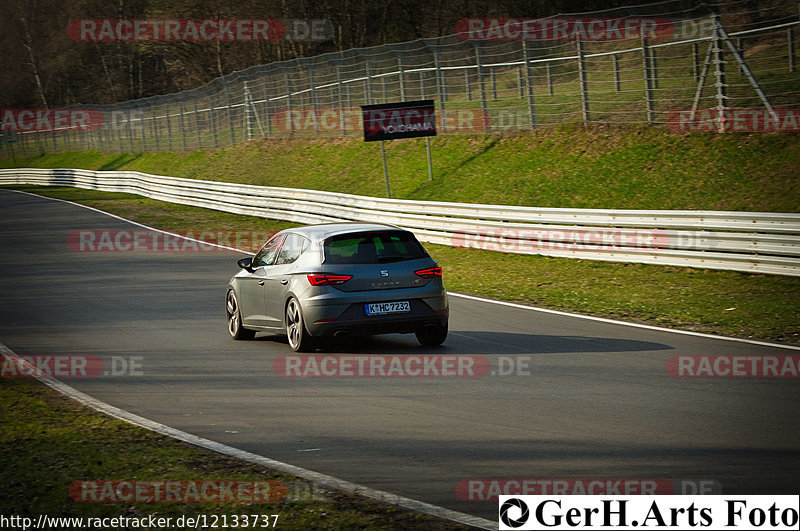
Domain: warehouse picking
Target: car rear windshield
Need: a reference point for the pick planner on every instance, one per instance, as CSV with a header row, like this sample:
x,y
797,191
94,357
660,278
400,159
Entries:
x,y
372,248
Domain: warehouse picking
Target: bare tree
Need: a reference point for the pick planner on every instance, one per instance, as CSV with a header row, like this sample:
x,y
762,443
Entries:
x,y
25,9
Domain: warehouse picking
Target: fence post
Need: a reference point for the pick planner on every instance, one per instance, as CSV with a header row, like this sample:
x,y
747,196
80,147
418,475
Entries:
x,y
528,84
740,48
790,37
154,126
182,124
439,91
549,79
481,84
654,68
401,71
247,110
493,78
41,143
267,110
169,127
696,61
130,131
23,148
617,84
212,115
583,83
289,101
719,73
230,114
314,95
466,85
368,82
144,136
197,124
339,90
648,80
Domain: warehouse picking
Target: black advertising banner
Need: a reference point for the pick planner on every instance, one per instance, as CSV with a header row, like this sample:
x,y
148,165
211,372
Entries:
x,y
409,119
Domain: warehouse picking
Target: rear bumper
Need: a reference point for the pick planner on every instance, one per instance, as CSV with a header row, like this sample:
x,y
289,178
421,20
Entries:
x,y
327,316
385,325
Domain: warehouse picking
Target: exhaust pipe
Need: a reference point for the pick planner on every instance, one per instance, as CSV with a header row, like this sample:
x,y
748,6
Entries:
x,y
341,333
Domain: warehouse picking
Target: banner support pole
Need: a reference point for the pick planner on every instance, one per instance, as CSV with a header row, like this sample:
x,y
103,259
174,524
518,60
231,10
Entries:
x,y
385,170
430,164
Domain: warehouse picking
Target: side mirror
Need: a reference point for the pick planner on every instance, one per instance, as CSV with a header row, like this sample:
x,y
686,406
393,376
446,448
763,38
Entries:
x,y
246,263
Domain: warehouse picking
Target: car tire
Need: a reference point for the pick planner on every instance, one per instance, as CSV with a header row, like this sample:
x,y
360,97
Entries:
x,y
234,315
432,335
296,332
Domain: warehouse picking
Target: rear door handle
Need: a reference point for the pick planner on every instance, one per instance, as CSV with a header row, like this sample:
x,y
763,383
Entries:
x,y
260,282
284,281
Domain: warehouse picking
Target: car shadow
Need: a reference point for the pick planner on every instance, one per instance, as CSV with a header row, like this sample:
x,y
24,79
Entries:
x,y
486,343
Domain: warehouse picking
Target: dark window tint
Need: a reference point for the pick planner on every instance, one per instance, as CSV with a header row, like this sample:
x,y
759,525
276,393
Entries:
x,y
372,248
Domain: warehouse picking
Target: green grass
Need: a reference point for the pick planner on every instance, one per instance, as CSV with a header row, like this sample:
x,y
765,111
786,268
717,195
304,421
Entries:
x,y
49,442
570,166
721,302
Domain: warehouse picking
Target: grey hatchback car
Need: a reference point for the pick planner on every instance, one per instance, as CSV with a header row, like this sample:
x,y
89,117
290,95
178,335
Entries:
x,y
338,279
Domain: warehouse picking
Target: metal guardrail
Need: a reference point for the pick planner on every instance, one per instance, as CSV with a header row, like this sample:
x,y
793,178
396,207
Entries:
x,y
757,242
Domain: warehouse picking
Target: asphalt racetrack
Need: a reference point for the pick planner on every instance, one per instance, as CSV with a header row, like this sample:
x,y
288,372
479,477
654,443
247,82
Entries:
x,y
585,398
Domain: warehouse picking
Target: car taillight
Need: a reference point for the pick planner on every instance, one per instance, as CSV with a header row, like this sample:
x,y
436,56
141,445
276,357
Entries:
x,y
429,272
324,279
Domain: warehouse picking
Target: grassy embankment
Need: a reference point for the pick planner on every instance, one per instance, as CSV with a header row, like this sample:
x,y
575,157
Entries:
x,y
639,168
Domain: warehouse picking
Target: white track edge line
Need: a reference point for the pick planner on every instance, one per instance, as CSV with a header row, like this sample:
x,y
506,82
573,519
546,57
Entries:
x,y
473,297
128,220
315,477
626,323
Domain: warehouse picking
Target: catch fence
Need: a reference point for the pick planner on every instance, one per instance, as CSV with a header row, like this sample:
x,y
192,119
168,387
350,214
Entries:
x,y
696,59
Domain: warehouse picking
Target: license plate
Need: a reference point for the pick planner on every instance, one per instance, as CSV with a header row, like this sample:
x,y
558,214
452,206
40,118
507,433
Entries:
x,y
383,308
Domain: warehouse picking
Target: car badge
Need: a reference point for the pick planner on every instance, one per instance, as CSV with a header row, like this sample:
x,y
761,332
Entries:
x,y
384,272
